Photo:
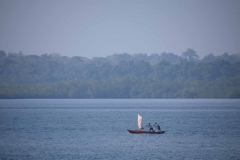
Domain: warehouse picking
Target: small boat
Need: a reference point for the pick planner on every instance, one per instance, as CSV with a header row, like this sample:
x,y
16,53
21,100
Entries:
x,y
141,129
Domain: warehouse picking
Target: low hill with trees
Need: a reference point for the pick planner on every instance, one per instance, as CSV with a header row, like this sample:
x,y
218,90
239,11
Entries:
x,y
164,75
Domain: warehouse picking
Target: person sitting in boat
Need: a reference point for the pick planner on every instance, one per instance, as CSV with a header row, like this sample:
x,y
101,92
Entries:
x,y
150,127
157,126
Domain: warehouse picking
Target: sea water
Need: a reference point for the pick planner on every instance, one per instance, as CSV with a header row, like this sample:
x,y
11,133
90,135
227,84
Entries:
x,y
97,129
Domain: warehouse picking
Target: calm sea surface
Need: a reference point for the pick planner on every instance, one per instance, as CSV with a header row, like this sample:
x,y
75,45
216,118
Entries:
x,y
97,129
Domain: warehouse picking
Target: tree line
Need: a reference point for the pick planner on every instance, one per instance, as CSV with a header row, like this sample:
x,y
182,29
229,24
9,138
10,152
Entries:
x,y
164,75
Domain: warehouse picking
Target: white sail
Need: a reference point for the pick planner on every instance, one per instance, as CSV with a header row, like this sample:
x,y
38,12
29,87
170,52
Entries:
x,y
140,122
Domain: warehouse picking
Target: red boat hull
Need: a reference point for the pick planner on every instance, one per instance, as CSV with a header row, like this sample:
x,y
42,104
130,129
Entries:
x,y
144,131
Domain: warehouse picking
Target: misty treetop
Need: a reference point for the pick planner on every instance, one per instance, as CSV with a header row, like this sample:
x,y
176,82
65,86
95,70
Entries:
x,y
164,75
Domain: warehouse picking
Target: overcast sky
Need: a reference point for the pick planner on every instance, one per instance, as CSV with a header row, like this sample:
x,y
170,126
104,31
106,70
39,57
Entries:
x,y
98,28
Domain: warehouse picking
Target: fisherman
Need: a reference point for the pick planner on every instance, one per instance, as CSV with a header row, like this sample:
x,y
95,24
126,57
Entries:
x,y
150,127
157,126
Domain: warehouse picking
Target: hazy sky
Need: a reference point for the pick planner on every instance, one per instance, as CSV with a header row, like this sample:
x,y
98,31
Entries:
x,y
97,28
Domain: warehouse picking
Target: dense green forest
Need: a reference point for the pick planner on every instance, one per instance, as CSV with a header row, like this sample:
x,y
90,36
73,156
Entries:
x,y
164,75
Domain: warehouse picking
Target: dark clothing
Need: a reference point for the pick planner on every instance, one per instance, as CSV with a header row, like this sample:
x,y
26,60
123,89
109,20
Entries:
x,y
158,127
150,127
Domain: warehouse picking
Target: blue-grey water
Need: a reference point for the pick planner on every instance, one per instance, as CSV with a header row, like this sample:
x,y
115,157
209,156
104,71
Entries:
x,y
97,129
